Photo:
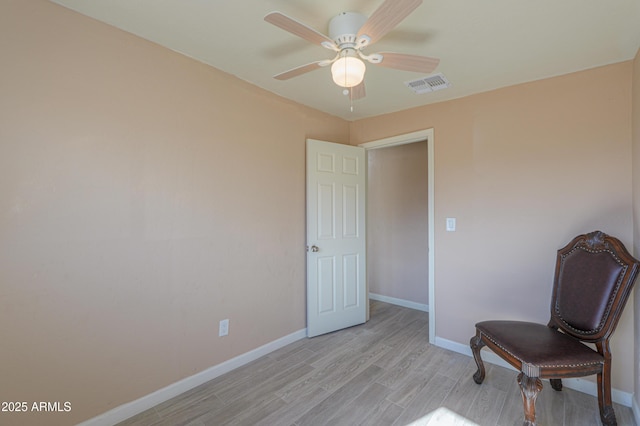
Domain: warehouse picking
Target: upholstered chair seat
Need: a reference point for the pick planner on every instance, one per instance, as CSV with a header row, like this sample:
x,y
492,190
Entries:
x,y
540,346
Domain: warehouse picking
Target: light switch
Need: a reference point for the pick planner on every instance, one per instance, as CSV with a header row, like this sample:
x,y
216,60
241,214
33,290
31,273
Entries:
x,y
451,224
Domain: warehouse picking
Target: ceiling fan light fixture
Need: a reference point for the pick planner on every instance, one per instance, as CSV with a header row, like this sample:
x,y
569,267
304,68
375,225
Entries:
x,y
348,71
349,34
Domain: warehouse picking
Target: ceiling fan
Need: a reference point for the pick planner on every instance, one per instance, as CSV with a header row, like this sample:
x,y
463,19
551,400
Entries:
x,y
349,34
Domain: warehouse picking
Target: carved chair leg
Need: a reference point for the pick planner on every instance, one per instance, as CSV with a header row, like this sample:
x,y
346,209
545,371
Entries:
x,y
476,344
556,384
529,387
607,414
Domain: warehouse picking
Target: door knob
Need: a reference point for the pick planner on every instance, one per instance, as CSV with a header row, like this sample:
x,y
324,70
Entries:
x,y
315,249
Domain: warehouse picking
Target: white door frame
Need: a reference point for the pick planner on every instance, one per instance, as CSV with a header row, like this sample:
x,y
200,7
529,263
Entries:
x,y
420,136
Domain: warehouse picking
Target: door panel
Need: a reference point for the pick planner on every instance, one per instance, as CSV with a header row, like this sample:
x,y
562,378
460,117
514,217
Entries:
x,y
336,256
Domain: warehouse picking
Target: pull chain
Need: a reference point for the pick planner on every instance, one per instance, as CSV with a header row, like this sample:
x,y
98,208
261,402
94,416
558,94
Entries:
x,y
351,98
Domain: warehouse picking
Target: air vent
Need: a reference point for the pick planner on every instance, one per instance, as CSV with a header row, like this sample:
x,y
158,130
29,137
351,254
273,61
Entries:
x,y
428,84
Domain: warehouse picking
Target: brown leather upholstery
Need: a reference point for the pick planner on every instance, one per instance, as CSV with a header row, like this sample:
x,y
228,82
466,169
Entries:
x,y
593,279
584,294
539,345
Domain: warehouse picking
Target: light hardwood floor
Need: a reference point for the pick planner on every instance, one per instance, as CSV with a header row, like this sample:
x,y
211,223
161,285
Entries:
x,y
382,373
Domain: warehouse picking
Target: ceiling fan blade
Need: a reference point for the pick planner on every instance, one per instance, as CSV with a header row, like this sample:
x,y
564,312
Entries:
x,y
294,27
358,92
299,70
415,63
386,17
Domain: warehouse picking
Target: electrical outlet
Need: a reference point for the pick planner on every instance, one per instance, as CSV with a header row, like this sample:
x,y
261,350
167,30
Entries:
x,y
223,330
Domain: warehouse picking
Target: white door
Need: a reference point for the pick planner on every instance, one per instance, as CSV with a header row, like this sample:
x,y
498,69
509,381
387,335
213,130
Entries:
x,y
336,245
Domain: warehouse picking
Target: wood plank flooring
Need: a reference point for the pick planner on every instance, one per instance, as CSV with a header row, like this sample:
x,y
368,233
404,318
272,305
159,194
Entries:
x,y
381,373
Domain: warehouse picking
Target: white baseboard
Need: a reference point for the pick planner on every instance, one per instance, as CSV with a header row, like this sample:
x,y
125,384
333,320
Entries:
x,y
132,408
581,385
399,302
636,410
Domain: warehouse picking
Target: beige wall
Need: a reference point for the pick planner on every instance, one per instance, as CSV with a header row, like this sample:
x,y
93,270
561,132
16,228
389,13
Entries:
x,y
635,108
397,227
523,169
145,197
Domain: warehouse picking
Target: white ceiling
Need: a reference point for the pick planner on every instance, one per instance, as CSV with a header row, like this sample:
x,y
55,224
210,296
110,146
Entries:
x,y
482,45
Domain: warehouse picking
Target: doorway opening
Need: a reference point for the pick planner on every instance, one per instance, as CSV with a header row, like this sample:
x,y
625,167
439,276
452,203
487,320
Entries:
x,y
415,251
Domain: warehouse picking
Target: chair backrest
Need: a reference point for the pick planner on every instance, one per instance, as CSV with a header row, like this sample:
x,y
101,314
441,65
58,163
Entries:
x,y
594,277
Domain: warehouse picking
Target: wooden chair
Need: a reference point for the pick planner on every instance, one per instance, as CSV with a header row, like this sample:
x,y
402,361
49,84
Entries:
x,y
593,279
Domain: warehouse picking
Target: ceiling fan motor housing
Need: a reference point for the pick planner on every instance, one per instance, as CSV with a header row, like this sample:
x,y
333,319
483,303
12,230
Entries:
x,y
343,29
